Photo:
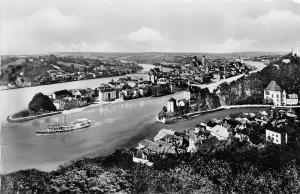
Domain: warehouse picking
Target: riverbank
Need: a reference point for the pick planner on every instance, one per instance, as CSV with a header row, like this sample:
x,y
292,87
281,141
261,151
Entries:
x,y
201,113
13,119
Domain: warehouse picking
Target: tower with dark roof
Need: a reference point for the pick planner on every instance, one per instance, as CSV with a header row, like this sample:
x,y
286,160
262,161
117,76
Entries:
x,y
274,93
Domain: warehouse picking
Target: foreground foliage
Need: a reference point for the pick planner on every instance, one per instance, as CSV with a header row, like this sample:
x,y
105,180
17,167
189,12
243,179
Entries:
x,y
231,167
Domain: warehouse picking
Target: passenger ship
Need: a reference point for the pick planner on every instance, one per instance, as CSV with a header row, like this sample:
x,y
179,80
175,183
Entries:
x,y
66,127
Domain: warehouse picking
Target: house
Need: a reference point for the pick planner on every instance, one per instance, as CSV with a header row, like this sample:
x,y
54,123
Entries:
x,y
162,133
273,92
153,75
107,93
216,76
157,147
278,96
177,141
292,99
59,104
132,84
286,61
219,132
171,105
143,91
182,103
187,95
141,157
136,92
127,91
296,51
276,136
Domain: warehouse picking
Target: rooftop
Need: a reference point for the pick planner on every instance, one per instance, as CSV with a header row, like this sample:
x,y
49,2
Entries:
x,y
273,86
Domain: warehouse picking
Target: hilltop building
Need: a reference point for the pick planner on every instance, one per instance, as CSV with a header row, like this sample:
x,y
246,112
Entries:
x,y
296,51
292,99
286,61
274,92
278,96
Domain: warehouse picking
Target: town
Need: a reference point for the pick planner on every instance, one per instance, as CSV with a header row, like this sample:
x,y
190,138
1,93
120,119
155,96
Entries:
x,y
197,100
26,71
158,81
273,125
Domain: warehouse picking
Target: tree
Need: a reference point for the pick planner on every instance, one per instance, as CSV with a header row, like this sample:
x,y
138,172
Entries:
x,y
53,59
41,102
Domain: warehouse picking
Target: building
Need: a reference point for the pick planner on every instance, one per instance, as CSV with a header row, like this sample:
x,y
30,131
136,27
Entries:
x,y
296,51
273,92
187,95
107,93
157,147
286,61
276,136
219,132
59,104
162,133
216,76
171,105
182,102
292,99
203,60
153,74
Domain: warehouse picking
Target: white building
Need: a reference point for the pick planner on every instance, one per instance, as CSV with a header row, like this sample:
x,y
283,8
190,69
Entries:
x,y
276,136
187,95
286,61
219,132
107,93
273,92
292,99
296,51
171,105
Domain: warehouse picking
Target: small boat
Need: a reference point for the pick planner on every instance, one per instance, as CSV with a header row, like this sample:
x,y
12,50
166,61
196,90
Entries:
x,y
65,127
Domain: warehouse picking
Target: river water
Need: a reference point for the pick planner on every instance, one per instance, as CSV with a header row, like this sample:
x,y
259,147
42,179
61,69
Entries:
x,y
116,126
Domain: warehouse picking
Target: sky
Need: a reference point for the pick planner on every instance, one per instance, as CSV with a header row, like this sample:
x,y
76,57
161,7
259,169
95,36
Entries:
x,y
45,26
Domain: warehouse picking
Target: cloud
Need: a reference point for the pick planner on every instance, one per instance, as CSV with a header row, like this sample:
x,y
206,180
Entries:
x,y
296,1
146,35
104,46
32,33
144,39
275,30
175,25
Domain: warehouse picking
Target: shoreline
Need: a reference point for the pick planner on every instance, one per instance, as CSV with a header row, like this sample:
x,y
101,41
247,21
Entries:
x,y
4,87
29,118
117,101
197,114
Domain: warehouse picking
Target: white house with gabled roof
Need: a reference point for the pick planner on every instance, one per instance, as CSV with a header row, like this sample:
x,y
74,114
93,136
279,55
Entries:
x,y
274,92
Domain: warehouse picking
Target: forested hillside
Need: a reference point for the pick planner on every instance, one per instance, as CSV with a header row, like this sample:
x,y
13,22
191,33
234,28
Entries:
x,y
250,89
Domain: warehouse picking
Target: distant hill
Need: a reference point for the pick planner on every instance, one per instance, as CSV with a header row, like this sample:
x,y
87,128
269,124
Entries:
x,y
157,57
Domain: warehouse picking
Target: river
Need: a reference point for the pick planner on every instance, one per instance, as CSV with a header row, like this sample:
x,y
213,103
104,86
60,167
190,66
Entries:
x,y
116,126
